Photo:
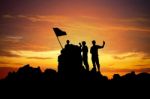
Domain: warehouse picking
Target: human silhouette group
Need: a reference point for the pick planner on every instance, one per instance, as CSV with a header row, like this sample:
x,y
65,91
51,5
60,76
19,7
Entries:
x,y
93,51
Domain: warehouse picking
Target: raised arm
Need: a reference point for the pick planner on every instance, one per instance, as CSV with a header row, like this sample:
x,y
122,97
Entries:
x,y
102,45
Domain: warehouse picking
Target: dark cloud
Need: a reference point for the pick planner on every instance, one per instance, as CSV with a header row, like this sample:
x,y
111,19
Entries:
x,y
3,63
127,70
145,70
146,57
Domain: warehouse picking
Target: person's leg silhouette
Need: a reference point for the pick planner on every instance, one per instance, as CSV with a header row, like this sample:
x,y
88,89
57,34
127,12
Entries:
x,y
93,62
86,64
97,63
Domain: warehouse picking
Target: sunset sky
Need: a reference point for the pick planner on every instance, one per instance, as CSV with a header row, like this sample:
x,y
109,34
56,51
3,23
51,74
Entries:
x,y
26,35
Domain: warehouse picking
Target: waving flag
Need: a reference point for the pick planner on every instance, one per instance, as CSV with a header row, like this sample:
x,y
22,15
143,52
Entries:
x,y
59,32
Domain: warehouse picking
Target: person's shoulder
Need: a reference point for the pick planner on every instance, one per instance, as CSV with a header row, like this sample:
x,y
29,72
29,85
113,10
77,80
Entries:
x,y
97,45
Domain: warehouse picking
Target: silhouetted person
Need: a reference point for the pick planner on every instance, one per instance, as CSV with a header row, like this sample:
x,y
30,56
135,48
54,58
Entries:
x,y
84,50
67,44
94,52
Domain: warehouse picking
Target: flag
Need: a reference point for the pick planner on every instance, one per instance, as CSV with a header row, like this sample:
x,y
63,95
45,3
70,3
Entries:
x,y
59,32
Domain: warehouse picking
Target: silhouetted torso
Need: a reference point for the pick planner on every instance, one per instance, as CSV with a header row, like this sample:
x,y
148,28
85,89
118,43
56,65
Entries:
x,y
94,50
85,50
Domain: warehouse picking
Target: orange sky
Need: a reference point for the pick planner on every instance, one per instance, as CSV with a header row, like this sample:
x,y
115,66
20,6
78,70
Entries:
x,y
27,36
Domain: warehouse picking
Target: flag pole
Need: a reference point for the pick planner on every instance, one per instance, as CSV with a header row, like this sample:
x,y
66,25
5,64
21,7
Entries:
x,y
59,42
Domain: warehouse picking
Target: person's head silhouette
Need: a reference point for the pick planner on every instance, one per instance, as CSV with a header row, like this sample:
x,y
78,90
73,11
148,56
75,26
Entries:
x,y
83,43
68,42
94,42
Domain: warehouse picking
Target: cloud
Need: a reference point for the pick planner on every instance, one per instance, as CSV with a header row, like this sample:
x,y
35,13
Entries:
x,y
4,63
7,16
129,35
145,70
28,55
140,55
129,28
13,39
39,18
126,70
15,42
34,39
37,55
4,53
146,57
142,65
125,56
41,58
139,19
56,19
25,54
